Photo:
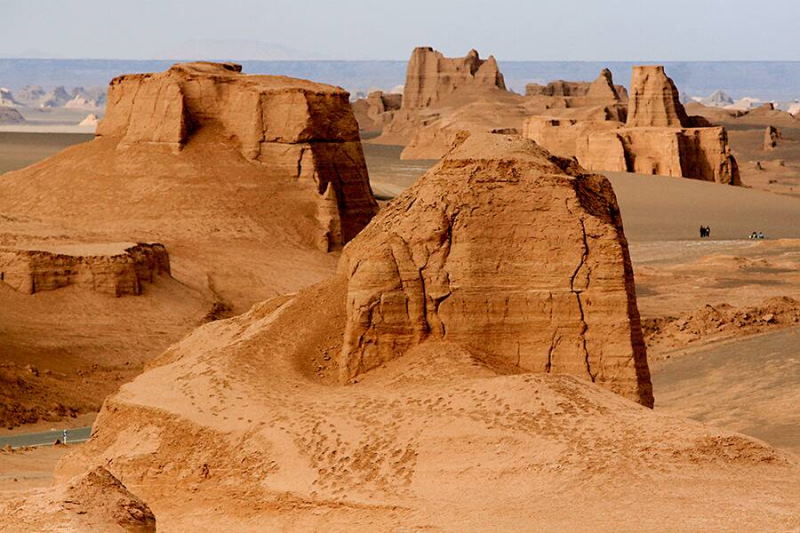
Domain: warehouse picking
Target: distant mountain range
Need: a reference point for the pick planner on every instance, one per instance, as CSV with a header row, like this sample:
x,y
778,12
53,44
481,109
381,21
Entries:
x,y
34,96
763,80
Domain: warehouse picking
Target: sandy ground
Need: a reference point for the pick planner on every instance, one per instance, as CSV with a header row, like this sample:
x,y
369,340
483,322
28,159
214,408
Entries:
x,y
742,385
750,386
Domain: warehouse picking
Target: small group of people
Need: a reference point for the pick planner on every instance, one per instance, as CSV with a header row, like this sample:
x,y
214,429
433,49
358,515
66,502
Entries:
x,y
756,235
705,231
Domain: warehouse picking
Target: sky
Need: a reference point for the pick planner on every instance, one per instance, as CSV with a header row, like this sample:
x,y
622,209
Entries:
x,y
559,30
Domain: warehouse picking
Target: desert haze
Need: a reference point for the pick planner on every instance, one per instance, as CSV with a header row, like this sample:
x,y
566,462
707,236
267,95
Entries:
x,y
255,302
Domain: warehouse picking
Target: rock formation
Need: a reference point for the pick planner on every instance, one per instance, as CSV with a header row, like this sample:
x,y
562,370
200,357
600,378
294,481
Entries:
x,y
428,268
90,121
297,128
116,270
654,100
248,181
601,89
94,501
375,111
9,115
430,76
657,138
771,136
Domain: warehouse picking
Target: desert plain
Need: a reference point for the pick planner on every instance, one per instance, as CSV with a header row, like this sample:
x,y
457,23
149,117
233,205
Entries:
x,y
459,309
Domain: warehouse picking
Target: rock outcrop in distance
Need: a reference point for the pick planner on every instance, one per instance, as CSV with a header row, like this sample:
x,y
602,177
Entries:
x,y
601,88
375,111
412,389
658,137
116,269
445,96
430,76
9,115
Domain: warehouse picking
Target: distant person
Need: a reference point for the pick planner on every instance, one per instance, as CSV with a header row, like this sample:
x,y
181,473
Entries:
x,y
708,231
760,235
702,231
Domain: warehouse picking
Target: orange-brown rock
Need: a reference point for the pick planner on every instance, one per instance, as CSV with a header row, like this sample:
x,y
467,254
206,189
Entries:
x,y
375,111
298,128
93,501
580,93
430,76
771,136
662,140
654,100
509,253
115,269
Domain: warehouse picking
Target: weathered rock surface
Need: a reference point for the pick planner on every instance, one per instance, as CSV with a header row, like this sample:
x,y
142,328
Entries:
x,y
509,253
430,76
117,270
301,129
658,137
580,93
375,111
654,100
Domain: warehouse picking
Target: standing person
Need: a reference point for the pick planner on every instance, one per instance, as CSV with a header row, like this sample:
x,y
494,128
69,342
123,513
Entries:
x,y
702,231
708,231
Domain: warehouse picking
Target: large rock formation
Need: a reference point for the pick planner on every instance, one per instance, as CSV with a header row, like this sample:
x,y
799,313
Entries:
x,y
249,181
375,111
116,269
430,76
658,137
654,100
297,128
602,89
445,261
436,85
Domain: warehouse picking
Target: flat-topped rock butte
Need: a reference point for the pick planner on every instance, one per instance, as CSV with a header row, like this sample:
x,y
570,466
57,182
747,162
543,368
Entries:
x,y
247,182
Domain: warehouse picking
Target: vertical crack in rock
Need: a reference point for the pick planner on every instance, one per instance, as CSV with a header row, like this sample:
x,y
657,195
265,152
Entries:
x,y
577,293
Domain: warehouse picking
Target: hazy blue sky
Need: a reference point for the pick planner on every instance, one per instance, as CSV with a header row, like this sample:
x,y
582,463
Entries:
x,y
385,29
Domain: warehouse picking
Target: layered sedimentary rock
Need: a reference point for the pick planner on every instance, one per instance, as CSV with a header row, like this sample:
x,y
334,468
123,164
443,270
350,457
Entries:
x,y
654,100
510,253
658,137
297,128
430,76
116,270
601,89
375,111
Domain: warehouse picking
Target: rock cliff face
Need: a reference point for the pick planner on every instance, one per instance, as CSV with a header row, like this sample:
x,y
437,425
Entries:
x,y
658,137
431,76
512,254
654,100
297,128
120,270
601,89
375,111
9,115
